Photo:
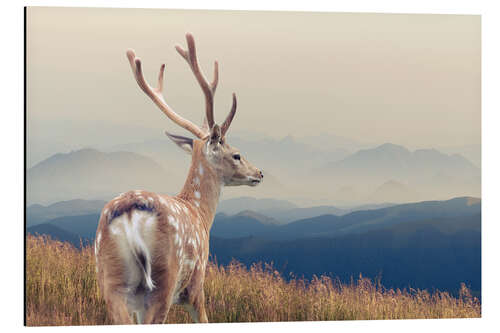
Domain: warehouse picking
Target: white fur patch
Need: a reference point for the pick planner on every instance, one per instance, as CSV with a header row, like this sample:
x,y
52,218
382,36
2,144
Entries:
x,y
200,170
163,201
197,194
197,204
173,222
115,229
196,180
132,235
190,263
150,221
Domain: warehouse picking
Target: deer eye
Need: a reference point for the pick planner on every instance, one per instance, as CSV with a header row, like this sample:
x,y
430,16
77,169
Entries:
x,y
237,157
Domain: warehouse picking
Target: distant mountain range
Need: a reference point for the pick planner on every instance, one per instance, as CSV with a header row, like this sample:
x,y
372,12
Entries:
x,y
279,211
293,171
236,205
396,174
251,223
352,223
36,214
323,169
90,174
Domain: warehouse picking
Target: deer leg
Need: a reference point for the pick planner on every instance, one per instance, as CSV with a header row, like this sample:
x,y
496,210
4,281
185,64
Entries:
x,y
157,311
197,309
117,307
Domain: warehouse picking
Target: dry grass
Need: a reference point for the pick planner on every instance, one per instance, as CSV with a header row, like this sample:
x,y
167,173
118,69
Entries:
x,y
61,289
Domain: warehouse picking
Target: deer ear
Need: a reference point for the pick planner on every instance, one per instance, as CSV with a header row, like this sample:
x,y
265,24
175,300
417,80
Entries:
x,y
183,142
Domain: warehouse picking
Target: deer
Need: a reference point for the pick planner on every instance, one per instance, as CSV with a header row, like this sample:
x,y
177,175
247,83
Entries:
x,y
151,249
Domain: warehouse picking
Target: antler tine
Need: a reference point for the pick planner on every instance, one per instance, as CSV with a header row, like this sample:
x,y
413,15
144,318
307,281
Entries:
x,y
207,88
214,83
156,95
229,118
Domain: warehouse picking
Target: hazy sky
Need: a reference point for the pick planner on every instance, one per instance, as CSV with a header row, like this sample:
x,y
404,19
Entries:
x,y
407,79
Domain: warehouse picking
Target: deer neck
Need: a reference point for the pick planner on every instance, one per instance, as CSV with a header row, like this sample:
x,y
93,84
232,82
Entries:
x,y
203,187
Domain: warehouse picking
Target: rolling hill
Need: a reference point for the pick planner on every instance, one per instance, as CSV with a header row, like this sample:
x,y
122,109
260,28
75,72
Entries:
x,y
90,174
354,222
235,205
55,233
425,173
36,214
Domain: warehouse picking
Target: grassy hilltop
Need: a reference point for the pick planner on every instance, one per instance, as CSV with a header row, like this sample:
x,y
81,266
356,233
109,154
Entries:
x,y
61,289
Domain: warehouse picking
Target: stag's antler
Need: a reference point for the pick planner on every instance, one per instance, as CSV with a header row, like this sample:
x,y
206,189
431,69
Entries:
x,y
208,89
156,95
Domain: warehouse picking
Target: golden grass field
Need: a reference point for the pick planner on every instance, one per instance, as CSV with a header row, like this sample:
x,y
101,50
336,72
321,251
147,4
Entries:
x,y
61,289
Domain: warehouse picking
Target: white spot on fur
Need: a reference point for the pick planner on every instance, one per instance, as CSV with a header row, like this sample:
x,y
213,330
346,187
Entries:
x,y
184,208
173,222
163,201
197,180
197,204
115,229
150,199
197,194
190,263
200,170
